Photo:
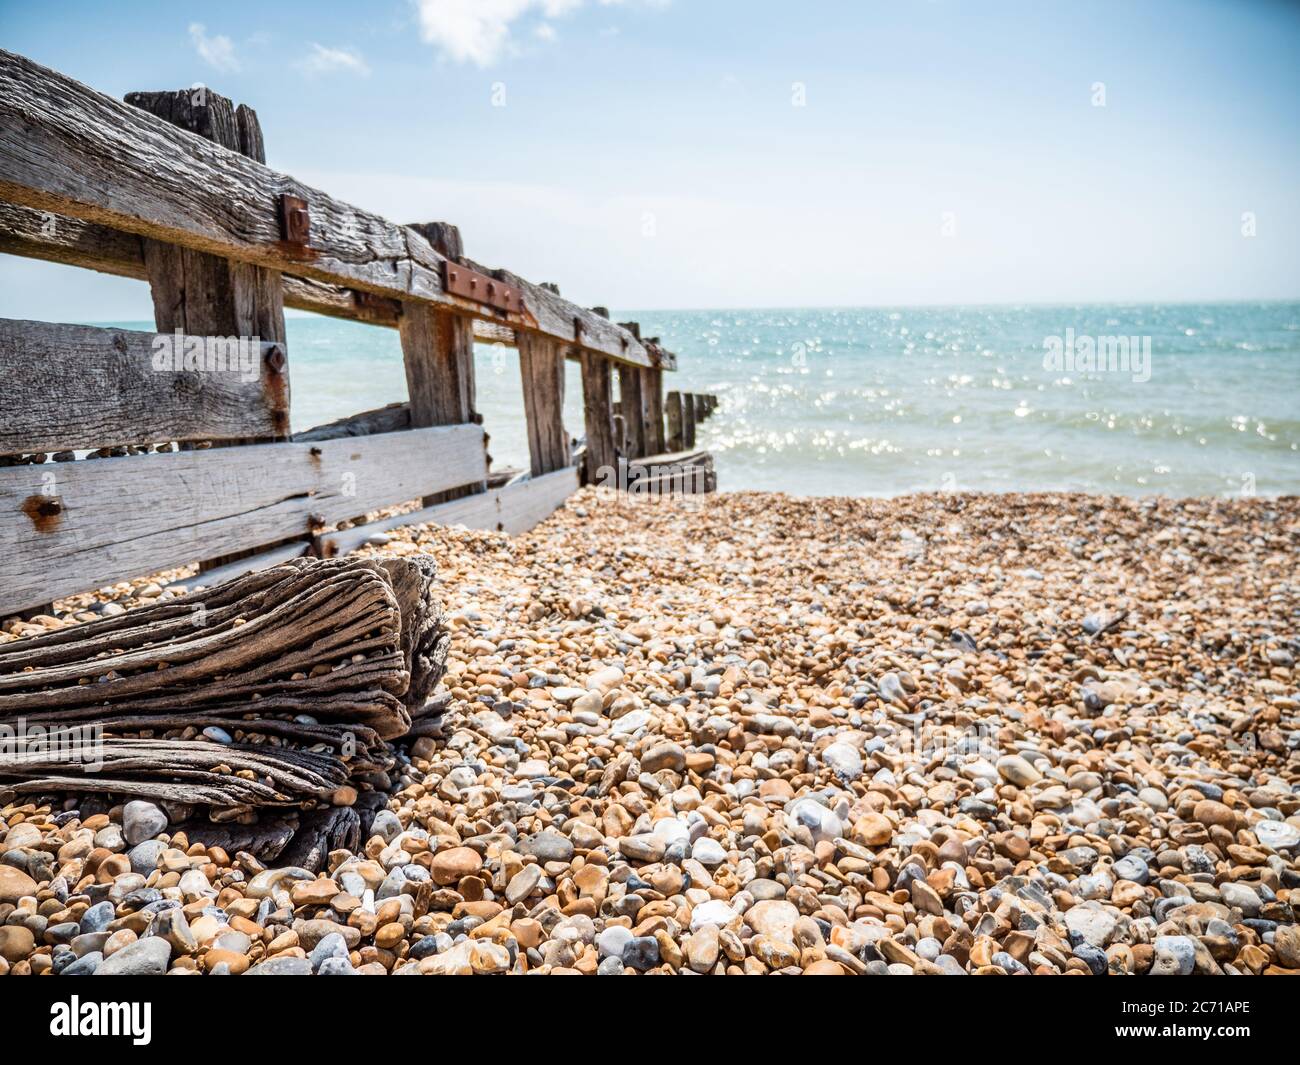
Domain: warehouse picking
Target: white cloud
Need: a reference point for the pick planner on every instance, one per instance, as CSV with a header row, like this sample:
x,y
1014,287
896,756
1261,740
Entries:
x,y
324,60
479,31
218,52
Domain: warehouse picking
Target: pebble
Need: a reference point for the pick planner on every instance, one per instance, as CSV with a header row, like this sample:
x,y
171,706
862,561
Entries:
x,y
733,734
1174,956
142,820
144,957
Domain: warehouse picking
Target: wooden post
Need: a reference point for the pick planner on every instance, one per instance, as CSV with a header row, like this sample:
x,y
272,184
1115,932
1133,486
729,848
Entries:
x,y
541,365
688,421
438,353
202,294
673,410
632,407
652,388
598,415
206,295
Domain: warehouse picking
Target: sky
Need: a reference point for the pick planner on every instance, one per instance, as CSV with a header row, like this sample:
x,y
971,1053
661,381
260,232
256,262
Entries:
x,y
747,153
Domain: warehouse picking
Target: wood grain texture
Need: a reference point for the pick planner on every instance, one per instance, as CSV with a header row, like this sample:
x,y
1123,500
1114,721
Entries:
x,y
514,508
68,387
67,149
673,473
631,401
673,417
58,238
358,646
392,418
242,566
652,399
598,415
541,366
67,527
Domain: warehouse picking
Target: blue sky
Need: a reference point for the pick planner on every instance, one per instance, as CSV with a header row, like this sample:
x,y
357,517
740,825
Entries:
x,y
652,153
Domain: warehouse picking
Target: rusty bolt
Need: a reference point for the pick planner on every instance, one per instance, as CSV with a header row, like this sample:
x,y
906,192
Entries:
x,y
275,358
295,219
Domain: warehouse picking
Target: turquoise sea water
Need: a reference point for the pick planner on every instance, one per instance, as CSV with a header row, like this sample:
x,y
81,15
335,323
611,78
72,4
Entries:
x,y
884,401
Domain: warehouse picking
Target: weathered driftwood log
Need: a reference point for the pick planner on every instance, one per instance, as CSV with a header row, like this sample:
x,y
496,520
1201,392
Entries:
x,y
355,641
307,666
224,775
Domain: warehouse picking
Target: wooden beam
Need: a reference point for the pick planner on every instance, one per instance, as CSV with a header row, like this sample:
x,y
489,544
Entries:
x,y
107,520
541,365
254,563
682,472
598,416
68,387
69,150
514,508
688,421
58,238
390,419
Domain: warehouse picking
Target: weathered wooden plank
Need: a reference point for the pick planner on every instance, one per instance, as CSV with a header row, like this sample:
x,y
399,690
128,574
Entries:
x,y
541,366
688,421
390,419
583,328
673,415
56,238
255,563
66,387
66,527
67,149
598,415
513,508
681,472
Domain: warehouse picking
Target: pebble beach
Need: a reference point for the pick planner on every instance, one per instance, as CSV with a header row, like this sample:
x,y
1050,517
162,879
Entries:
x,y
748,733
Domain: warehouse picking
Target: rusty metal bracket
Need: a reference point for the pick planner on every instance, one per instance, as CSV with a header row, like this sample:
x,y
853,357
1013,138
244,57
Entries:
x,y
295,220
462,281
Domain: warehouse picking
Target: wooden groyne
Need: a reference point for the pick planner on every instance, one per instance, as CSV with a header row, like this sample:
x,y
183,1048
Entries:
x,y
191,423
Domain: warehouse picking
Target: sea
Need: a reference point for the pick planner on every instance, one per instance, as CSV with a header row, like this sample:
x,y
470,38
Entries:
x,y
1179,399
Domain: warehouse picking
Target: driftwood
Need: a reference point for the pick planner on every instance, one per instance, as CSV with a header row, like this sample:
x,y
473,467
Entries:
x,y
308,666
